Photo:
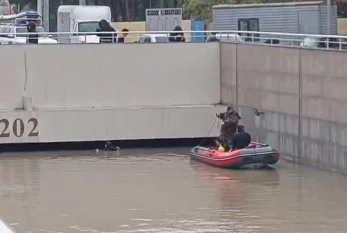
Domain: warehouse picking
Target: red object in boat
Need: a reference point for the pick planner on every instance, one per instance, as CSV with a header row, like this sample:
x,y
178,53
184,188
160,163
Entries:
x,y
255,153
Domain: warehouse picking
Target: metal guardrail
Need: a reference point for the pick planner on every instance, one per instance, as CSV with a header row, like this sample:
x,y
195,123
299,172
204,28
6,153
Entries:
x,y
270,38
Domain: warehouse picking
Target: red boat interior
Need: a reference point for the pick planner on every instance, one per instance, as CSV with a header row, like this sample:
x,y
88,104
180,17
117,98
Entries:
x,y
216,154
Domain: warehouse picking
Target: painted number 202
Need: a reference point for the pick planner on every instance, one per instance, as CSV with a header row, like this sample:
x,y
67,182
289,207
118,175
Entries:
x,y
18,128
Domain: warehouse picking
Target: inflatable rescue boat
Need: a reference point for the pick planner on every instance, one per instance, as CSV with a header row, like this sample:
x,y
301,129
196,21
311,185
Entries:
x,y
255,153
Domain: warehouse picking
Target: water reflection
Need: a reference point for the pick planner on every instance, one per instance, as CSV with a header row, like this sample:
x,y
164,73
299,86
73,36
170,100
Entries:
x,y
235,188
19,189
19,178
230,184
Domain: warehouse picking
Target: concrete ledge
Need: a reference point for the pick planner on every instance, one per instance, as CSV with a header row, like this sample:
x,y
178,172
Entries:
x,y
58,125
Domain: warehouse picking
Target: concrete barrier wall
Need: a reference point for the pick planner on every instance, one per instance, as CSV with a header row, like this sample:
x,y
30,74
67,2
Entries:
x,y
302,94
108,124
99,76
12,63
324,109
137,91
108,92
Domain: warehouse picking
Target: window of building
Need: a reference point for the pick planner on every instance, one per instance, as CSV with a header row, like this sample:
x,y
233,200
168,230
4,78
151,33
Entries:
x,y
250,24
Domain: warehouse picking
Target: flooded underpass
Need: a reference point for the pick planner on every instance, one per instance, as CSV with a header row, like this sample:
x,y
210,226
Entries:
x,y
163,191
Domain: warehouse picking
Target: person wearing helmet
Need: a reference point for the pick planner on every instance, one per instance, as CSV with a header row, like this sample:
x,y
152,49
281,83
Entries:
x,y
242,139
230,120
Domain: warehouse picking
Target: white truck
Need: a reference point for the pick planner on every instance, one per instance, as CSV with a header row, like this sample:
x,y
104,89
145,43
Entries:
x,y
78,19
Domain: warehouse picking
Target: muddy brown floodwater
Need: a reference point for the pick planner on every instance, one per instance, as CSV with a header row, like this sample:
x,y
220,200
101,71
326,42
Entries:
x,y
163,191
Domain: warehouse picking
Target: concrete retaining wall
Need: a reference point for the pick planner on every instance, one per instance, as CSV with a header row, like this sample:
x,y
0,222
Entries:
x,y
108,124
140,91
70,76
108,92
301,92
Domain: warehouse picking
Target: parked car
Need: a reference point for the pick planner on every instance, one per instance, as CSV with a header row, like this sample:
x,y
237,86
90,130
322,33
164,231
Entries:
x,y
228,37
320,42
154,38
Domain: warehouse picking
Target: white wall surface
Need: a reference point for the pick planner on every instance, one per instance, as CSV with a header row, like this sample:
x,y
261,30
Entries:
x,y
103,92
12,66
111,124
84,76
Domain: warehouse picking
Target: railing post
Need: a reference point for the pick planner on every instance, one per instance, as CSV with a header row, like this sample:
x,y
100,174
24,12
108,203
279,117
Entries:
x,y
237,77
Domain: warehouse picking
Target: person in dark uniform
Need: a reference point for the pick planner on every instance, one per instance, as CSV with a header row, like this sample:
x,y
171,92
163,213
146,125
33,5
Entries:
x,y
230,120
177,35
110,37
242,139
33,37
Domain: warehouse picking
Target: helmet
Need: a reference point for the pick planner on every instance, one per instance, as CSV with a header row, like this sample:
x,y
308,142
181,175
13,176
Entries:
x,y
221,148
